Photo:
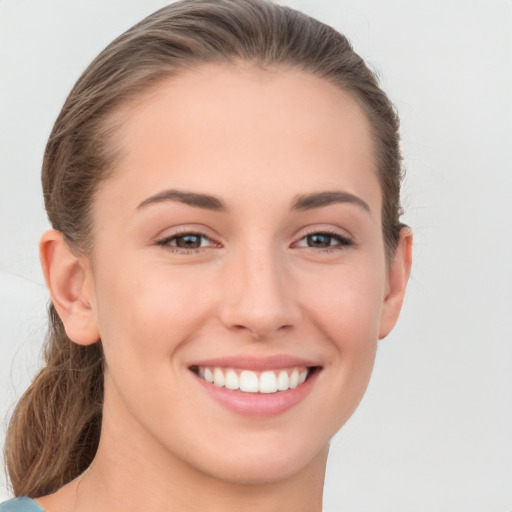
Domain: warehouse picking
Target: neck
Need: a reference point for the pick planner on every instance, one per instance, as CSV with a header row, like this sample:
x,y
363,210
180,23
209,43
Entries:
x,y
133,472
127,482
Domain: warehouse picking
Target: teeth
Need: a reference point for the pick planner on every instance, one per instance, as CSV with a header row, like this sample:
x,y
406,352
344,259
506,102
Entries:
x,y
218,377
208,375
232,381
282,381
268,383
294,379
254,382
248,382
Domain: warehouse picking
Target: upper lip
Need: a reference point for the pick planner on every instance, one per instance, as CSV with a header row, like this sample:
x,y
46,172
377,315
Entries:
x,y
245,362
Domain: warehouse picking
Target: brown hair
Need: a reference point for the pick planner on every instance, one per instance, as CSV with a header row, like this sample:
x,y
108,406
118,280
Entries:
x,y
55,428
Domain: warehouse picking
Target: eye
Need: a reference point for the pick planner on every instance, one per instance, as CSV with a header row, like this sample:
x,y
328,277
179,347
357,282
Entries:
x,y
324,240
184,242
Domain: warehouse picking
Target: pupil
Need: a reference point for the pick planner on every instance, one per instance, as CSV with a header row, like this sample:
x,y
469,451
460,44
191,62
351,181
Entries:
x,y
188,241
319,240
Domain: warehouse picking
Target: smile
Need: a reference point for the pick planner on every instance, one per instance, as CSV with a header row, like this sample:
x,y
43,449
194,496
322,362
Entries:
x,y
248,381
257,387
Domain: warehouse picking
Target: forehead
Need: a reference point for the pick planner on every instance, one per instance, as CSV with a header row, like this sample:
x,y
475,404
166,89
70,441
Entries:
x,y
230,127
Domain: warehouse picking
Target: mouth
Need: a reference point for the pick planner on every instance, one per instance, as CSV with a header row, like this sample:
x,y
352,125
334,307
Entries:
x,y
257,386
260,382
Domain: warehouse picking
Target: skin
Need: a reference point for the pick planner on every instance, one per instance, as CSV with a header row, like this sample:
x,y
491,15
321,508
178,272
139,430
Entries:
x,y
257,140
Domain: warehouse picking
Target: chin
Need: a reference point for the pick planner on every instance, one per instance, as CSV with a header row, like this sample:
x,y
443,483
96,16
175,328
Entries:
x,y
257,466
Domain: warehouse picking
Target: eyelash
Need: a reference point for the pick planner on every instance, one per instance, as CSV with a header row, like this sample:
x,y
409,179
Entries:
x,y
166,242
342,242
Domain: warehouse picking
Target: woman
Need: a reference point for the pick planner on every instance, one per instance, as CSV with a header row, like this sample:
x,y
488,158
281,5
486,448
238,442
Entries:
x,y
224,186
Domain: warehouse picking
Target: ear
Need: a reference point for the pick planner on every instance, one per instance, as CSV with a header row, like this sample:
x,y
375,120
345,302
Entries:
x,y
69,280
398,275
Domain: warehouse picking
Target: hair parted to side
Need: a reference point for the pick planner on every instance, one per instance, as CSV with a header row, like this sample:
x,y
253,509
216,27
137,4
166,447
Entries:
x,y
54,432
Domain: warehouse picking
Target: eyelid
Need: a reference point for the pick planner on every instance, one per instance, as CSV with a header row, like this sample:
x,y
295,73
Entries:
x,y
170,234
185,229
167,239
344,240
325,229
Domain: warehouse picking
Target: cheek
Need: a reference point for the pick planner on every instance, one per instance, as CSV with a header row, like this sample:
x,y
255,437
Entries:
x,y
347,307
348,303
145,313
143,320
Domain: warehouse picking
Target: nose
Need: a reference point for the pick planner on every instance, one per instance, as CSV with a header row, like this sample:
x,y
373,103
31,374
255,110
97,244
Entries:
x,y
258,295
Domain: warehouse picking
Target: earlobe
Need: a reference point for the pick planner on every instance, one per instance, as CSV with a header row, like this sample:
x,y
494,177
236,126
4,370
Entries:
x,y
69,281
398,275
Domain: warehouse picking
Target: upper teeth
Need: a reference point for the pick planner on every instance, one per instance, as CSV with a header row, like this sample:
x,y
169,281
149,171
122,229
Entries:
x,y
253,382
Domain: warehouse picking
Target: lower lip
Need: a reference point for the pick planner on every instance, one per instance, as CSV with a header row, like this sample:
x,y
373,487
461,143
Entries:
x,y
258,404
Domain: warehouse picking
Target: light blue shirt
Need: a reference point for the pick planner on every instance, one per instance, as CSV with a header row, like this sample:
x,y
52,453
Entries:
x,y
21,504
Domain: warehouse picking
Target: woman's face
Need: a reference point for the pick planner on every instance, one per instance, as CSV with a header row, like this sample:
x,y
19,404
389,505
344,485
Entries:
x,y
239,239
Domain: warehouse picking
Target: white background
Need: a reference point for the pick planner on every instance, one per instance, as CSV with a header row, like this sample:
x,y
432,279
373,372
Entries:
x,y
434,432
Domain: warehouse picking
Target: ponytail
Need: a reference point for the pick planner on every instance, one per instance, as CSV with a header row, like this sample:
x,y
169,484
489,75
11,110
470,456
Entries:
x,y
54,432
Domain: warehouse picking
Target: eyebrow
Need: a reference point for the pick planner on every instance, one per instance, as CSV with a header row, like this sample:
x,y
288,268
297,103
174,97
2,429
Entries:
x,y
321,199
208,202
198,200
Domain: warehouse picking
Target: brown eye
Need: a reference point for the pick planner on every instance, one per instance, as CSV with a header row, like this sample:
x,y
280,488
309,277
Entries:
x,y
190,241
323,240
319,240
186,241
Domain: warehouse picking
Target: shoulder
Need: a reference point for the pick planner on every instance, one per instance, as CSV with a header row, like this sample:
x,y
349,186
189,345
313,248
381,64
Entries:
x,y
21,504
